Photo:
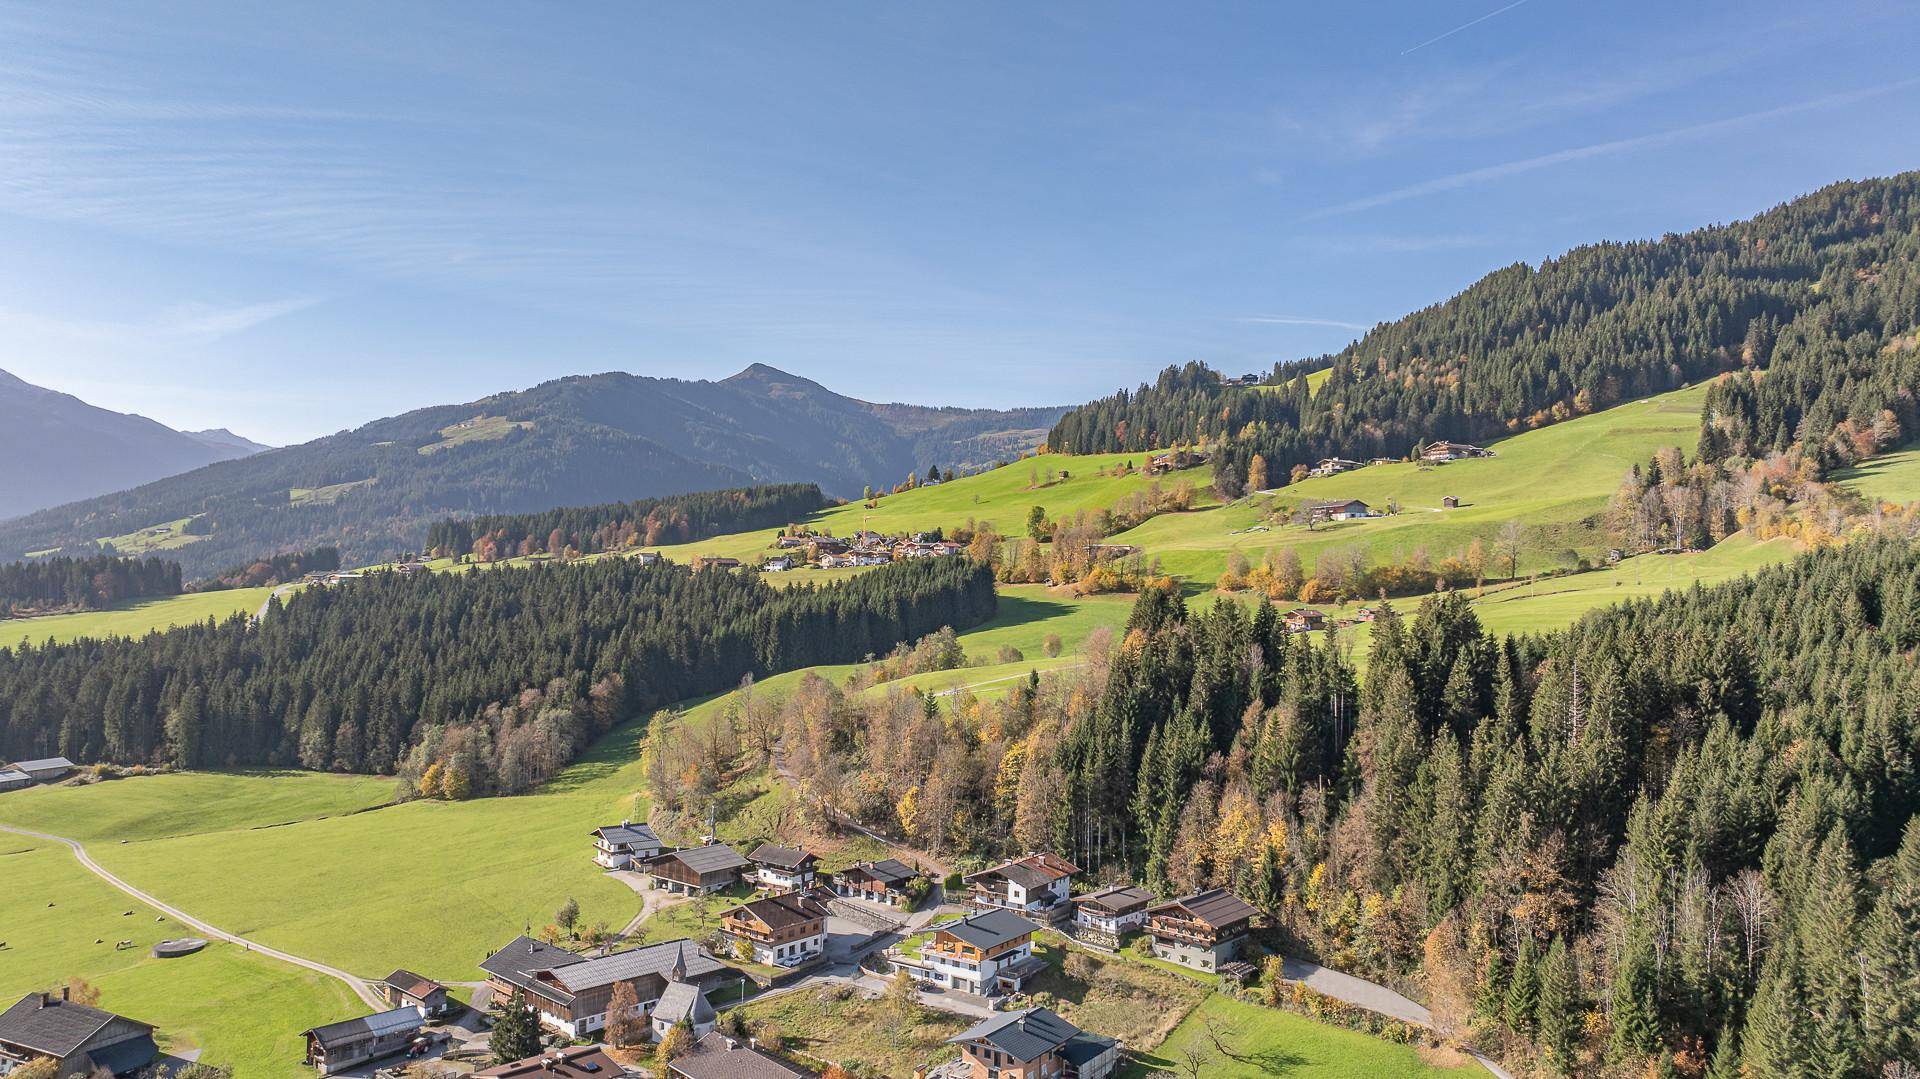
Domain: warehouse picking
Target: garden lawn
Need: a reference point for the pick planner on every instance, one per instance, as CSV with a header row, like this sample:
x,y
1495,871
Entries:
x,y
134,618
242,1010
1262,1042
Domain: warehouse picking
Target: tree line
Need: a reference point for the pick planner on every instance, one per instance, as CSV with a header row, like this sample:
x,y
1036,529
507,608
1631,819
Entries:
x,y
1820,292
357,677
612,526
41,585
273,569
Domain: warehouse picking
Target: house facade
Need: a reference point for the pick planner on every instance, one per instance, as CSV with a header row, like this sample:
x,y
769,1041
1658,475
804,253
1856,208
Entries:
x,y
782,869
572,993
696,870
1438,452
45,770
1204,931
988,954
1034,1043
888,882
1035,886
1106,917
405,989
341,1046
625,845
79,1038
781,930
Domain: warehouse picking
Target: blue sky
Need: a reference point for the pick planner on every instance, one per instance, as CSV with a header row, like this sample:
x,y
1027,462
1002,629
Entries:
x,y
292,220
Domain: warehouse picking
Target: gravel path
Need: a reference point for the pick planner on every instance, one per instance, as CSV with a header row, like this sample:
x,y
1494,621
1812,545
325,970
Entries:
x,y
359,985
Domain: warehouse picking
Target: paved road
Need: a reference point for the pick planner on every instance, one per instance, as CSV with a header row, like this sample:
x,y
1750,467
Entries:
x,y
652,900
271,596
1375,998
358,985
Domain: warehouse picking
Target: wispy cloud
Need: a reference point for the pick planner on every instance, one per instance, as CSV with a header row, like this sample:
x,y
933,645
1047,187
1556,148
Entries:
x,y
1464,26
183,326
1302,320
1471,177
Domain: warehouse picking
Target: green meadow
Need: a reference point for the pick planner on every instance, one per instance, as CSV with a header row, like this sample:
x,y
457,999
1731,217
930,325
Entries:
x,y
1892,477
239,1009
1256,1042
132,619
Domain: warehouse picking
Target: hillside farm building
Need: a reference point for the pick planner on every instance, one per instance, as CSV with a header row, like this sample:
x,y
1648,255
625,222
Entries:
x,y
571,992
80,1039
696,870
624,845
350,1043
1442,452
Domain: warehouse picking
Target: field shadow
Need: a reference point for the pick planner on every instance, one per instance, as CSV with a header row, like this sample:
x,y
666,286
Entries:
x,y
1023,610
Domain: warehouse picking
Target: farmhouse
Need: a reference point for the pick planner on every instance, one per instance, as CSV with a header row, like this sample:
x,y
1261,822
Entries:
x,y
1036,885
988,954
781,930
717,1056
405,989
1303,620
579,1062
1333,466
350,1043
1105,917
647,558
777,564
1438,452
836,561
707,561
696,870
1340,509
782,869
571,992
1033,1042
12,779
889,881
46,770
624,845
1203,931
81,1039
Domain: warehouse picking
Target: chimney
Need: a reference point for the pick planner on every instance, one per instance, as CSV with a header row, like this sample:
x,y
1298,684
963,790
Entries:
x,y
66,992
46,1000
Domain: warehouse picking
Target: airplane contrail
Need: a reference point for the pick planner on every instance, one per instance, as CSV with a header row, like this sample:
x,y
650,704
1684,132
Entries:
x,y
1465,25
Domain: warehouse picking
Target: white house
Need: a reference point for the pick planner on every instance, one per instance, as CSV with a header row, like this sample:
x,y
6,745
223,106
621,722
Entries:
x,y
782,869
624,845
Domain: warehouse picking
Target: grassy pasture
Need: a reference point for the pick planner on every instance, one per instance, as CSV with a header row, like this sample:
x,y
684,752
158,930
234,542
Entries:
x,y
478,429
160,537
1891,477
134,618
321,496
1266,1042
242,1010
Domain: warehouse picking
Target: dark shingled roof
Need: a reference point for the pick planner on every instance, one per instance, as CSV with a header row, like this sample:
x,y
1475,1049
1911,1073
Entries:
x,y
1216,907
712,858
523,957
632,835
781,911
713,1058
889,871
367,1026
53,1026
1033,871
780,857
581,1061
1120,900
988,929
1025,1035
413,985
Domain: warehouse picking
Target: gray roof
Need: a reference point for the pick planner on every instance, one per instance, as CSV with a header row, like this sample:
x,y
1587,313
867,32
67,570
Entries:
x,y
10,775
632,835
1025,1035
891,871
523,957
989,929
379,1024
1120,900
1216,907
712,858
634,963
53,1026
47,764
1084,1046
713,1058
680,1002
780,857
1030,872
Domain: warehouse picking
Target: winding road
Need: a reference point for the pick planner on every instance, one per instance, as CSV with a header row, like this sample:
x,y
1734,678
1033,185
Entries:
x,y
271,596
359,986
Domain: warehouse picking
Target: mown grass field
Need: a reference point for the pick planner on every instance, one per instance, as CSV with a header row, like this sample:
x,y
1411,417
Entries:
x,y
160,537
1892,477
1262,1042
132,619
241,1010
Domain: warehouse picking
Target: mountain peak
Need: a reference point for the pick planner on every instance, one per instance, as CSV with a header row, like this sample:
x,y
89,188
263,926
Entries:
x,y
760,372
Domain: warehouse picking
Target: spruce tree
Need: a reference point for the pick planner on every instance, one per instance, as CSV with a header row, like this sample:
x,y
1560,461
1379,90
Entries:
x,y
1523,990
1559,1008
1636,1011
516,1030
1890,1013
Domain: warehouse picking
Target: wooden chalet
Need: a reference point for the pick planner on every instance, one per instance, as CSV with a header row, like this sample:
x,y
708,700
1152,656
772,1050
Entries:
x,y
348,1044
696,870
889,881
708,561
1033,1043
1035,886
1439,452
781,930
1204,931
782,869
578,1062
989,954
720,1056
405,989
571,992
1104,918
625,845
1304,620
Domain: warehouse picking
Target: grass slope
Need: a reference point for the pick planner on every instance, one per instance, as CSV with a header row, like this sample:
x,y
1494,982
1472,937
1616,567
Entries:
x,y
1265,1042
242,1010
134,618
1892,477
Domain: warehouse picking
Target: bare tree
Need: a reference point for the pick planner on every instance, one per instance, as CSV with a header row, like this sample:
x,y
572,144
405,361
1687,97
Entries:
x,y
1507,544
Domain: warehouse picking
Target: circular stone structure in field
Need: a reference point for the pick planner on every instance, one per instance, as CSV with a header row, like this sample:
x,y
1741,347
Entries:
x,y
174,949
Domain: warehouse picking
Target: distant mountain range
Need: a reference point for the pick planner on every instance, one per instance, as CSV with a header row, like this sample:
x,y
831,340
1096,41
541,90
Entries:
x,y
58,448
573,441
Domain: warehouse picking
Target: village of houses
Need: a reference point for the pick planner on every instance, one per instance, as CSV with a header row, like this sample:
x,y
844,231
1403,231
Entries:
x,y
791,927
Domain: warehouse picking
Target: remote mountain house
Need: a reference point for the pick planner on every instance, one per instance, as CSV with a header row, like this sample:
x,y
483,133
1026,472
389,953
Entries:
x,y
1204,931
1441,452
1036,886
1339,509
1032,1043
81,1039
624,845
988,954
781,930
350,1043
696,870
1105,917
782,869
571,992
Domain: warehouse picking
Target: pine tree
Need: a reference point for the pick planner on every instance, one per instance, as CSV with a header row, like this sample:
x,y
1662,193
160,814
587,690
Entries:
x,y
516,1030
1636,1011
1523,990
1559,1009
1890,1014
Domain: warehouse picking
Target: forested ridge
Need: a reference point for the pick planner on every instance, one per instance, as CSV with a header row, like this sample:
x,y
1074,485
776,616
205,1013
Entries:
x,y
612,526
1822,293
400,671
50,584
